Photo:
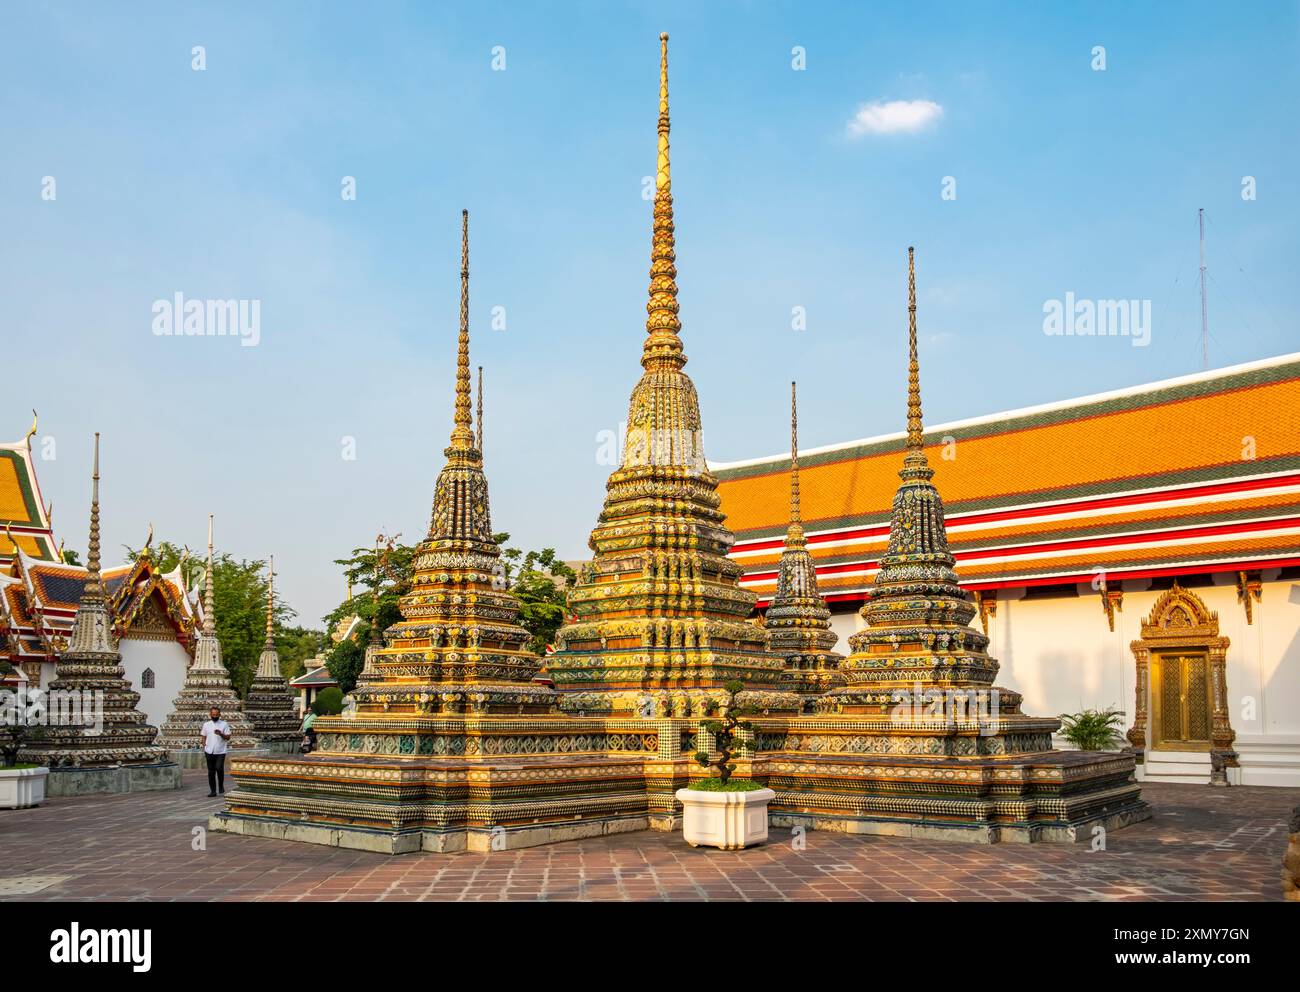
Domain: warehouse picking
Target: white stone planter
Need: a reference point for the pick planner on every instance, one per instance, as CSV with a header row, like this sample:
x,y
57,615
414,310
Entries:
x,y
729,820
21,787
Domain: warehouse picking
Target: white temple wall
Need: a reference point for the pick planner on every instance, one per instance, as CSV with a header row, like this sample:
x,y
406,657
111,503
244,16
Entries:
x,y
1060,654
169,662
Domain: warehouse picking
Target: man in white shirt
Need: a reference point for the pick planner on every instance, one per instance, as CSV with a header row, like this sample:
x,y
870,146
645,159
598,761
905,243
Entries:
x,y
215,734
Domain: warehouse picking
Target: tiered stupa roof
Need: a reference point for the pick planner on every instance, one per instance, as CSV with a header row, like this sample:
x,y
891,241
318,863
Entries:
x,y
92,667
207,684
799,621
459,647
270,703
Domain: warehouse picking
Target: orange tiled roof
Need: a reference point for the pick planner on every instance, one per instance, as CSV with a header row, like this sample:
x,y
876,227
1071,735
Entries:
x,y
1195,474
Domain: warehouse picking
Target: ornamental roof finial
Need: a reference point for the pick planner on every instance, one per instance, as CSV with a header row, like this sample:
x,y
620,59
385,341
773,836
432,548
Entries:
x,y
913,365
663,347
376,635
915,460
94,584
795,531
270,604
462,434
209,609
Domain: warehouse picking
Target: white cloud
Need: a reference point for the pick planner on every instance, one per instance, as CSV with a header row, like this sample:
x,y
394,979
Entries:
x,y
894,117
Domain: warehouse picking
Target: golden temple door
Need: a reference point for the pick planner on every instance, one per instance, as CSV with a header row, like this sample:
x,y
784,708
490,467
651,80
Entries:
x,y
1182,701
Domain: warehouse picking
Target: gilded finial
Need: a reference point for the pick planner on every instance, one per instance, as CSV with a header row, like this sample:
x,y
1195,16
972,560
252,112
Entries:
x,y
915,459
462,435
375,634
148,541
209,607
31,433
13,542
270,604
478,420
794,535
663,172
94,585
663,346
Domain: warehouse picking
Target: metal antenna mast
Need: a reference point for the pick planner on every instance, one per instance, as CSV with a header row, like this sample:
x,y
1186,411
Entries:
x,y
1205,320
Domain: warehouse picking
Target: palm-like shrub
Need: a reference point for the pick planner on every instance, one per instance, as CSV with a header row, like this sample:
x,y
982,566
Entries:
x,y
1093,730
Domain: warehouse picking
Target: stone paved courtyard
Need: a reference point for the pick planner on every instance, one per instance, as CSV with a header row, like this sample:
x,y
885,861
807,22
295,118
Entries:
x,y
1202,843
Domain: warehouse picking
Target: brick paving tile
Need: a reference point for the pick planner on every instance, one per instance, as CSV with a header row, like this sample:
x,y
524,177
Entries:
x,y
1203,843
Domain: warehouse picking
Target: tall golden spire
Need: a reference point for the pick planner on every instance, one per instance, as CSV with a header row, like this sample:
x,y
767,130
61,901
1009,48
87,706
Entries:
x,y
794,534
914,461
376,635
663,347
479,412
663,176
913,364
462,434
269,645
94,584
209,609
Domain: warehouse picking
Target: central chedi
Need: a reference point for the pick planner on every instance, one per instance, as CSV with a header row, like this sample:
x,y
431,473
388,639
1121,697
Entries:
x,y
661,622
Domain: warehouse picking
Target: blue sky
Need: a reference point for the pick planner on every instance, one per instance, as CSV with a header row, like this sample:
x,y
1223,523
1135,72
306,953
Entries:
x,y
225,183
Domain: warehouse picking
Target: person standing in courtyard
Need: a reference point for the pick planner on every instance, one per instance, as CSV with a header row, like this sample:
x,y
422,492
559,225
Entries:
x,y
215,732
309,733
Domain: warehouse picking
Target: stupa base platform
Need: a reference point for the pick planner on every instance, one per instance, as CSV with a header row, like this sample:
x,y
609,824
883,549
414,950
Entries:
x,y
194,757
396,806
1052,796
113,779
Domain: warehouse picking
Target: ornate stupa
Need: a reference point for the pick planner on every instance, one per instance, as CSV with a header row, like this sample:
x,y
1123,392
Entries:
x,y
918,635
451,744
111,748
798,620
459,647
270,703
207,684
919,741
661,621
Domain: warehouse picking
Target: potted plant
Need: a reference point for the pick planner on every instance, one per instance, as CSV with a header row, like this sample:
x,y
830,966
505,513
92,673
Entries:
x,y
1093,730
20,785
723,811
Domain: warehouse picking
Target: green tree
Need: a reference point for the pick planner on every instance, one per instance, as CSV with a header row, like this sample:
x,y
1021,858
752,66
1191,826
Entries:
x,y
297,645
541,582
345,662
71,557
329,702
539,579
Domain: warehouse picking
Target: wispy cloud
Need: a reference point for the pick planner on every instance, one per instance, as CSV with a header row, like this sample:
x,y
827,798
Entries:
x,y
894,117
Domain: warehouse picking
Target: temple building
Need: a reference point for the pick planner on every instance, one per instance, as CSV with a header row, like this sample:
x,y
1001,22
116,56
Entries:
x,y
153,617
1137,549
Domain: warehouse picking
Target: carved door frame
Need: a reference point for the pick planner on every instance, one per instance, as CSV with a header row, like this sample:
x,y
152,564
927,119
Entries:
x,y
1180,621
